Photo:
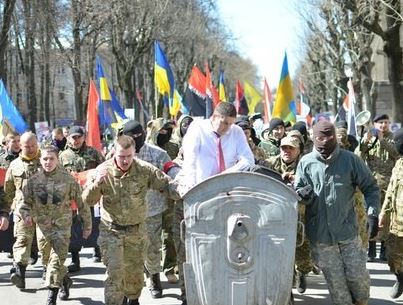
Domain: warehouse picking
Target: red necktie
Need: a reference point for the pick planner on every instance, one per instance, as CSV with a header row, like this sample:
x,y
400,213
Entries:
x,y
220,155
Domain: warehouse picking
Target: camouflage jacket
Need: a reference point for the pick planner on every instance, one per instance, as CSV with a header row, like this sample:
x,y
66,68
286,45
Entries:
x,y
156,200
80,160
380,156
47,198
6,158
124,194
270,147
258,152
277,164
16,179
393,204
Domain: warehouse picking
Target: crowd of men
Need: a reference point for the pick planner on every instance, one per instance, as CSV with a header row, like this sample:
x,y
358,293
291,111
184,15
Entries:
x,y
61,195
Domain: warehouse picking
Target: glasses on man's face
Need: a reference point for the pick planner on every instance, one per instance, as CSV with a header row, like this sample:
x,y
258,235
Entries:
x,y
324,138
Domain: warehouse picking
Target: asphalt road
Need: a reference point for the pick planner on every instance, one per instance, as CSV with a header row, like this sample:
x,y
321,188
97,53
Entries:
x,y
88,287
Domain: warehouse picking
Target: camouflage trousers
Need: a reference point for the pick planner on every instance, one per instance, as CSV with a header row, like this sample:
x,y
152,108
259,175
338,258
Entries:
x,y
394,245
344,268
159,233
168,244
24,236
361,212
179,244
303,258
54,248
44,246
123,255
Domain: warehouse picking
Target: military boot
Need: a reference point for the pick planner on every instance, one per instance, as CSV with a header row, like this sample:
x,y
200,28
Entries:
x,y
397,288
155,286
124,300
65,289
371,251
300,282
96,258
52,296
34,257
18,277
382,253
75,262
133,302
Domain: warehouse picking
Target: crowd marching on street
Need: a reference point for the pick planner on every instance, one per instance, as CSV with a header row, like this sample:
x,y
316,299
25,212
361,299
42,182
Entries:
x,y
125,201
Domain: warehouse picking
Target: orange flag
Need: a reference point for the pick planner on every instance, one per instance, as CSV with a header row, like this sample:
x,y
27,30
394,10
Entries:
x,y
81,178
2,176
93,134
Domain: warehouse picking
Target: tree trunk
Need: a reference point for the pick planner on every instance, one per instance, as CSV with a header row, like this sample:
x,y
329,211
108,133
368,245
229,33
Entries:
x,y
7,14
76,66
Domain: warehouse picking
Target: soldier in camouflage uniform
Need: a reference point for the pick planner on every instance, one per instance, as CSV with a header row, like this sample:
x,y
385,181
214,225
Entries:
x,y
123,181
272,136
78,157
307,142
11,151
286,165
392,210
17,175
258,153
46,201
378,152
159,134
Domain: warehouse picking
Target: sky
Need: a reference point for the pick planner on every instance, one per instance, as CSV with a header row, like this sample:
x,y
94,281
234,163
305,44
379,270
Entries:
x,y
264,30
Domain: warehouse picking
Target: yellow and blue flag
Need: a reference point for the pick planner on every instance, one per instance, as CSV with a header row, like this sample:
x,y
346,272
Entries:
x,y
221,88
10,116
164,78
109,109
284,105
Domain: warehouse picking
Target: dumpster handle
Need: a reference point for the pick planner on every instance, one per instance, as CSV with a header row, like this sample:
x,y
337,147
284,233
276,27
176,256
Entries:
x,y
301,224
182,230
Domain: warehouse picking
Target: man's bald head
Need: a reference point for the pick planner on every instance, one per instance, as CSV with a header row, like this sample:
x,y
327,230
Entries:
x,y
29,144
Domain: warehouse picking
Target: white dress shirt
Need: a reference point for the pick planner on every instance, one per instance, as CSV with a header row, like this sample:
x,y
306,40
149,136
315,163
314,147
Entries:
x,y
200,153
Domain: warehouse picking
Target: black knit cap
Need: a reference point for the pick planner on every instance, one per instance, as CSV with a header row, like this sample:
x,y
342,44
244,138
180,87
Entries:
x,y
132,127
398,138
301,127
274,122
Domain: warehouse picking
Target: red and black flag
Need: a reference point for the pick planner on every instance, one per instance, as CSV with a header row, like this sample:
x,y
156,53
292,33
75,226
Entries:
x,y
240,100
195,94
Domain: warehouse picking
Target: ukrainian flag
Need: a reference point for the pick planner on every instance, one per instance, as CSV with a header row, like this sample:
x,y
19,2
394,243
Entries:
x,y
106,113
221,88
284,106
163,77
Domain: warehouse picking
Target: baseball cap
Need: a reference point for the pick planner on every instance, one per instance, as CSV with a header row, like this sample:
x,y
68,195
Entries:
x,y
289,141
76,131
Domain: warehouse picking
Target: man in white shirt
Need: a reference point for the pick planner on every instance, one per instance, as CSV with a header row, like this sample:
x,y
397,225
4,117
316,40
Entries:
x,y
214,146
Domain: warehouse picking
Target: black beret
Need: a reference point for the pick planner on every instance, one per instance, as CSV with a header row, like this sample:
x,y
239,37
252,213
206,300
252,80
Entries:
x,y
381,117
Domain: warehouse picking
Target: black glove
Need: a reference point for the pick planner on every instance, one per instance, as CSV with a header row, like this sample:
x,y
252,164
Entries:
x,y
306,192
372,226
